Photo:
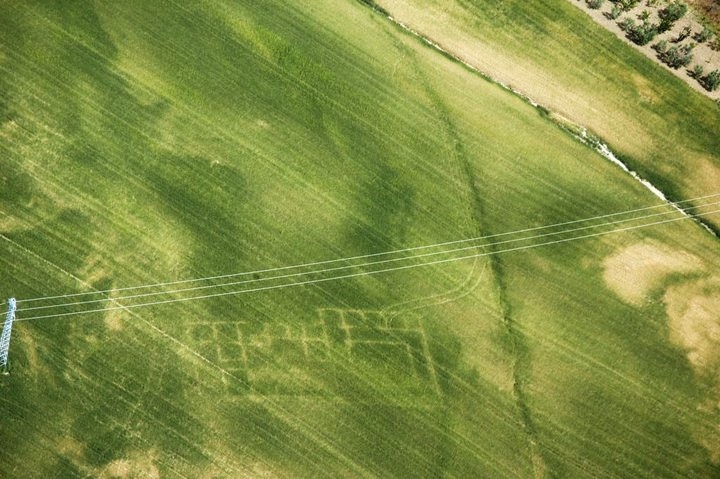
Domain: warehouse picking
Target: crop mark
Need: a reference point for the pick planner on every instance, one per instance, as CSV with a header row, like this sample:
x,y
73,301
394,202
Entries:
x,y
222,343
287,359
398,343
477,212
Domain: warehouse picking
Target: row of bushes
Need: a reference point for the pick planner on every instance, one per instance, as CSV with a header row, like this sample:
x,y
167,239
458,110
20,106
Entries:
x,y
678,56
674,56
640,34
643,33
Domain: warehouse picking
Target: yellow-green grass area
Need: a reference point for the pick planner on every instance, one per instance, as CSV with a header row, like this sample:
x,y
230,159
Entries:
x,y
556,54
151,142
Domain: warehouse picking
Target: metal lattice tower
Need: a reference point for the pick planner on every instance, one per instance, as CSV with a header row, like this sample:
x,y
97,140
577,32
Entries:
x,y
7,329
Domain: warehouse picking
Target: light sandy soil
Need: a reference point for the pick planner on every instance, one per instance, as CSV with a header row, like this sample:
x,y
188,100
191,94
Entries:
x,y
114,320
137,467
638,270
693,309
703,55
692,306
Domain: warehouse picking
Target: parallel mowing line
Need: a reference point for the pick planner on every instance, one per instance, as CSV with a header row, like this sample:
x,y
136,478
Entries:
x,y
372,255
218,128
358,274
340,268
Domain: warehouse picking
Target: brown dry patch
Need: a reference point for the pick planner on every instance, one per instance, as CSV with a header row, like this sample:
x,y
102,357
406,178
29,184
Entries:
x,y
709,8
94,269
707,173
138,466
694,312
71,448
119,468
30,348
10,223
114,320
74,451
263,470
638,270
646,90
9,130
709,435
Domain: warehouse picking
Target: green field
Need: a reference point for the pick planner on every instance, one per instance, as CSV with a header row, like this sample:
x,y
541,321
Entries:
x,y
153,142
557,55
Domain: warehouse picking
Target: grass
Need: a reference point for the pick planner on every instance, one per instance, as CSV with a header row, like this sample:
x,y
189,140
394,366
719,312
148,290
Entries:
x,y
152,142
557,55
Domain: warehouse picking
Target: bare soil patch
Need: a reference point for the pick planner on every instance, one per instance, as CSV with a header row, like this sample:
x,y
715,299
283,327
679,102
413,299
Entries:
x,y
694,312
710,9
640,269
692,307
137,467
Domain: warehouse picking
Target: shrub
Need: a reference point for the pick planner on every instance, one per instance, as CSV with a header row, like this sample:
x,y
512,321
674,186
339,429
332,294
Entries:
x,y
677,56
615,12
595,4
697,72
674,11
626,24
704,35
661,47
642,34
628,5
686,31
671,14
711,81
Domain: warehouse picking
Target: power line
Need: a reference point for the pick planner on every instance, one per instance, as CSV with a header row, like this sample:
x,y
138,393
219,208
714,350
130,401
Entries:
x,y
365,256
358,274
361,265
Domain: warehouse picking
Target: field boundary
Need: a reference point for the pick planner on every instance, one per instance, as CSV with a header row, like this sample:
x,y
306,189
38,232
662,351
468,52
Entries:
x,y
587,137
706,55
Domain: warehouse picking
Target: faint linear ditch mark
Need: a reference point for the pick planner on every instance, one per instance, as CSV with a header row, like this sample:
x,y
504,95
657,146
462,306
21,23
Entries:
x,y
515,340
579,132
516,344
473,278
